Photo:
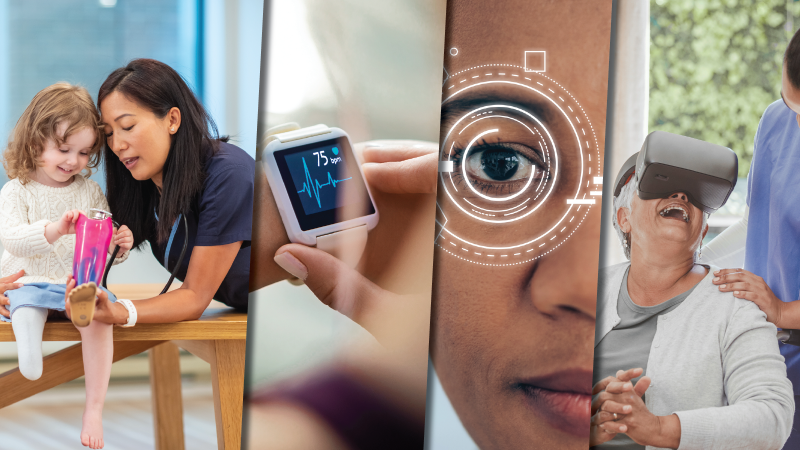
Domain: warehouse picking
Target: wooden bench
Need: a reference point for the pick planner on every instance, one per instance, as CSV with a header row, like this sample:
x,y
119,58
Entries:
x,y
218,338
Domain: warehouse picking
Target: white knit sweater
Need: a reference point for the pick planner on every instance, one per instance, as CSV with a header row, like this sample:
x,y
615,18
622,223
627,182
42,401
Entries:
x,y
24,212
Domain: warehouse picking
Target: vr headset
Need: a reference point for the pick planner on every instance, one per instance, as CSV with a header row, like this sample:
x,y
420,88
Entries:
x,y
670,163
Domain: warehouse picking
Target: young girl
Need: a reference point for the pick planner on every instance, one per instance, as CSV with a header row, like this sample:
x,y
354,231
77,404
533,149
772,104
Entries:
x,y
57,138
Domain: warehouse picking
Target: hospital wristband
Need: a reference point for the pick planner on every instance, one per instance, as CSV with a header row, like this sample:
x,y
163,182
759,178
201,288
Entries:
x,y
131,312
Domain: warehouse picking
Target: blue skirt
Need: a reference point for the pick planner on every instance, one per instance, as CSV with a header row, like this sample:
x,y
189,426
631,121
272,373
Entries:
x,y
41,295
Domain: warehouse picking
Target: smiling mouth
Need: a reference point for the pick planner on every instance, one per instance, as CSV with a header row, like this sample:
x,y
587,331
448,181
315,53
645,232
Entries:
x,y
64,170
676,212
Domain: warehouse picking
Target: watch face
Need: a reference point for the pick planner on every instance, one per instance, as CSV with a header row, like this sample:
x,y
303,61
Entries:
x,y
324,183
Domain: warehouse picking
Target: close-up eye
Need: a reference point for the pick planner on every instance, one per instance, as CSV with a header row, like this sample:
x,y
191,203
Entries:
x,y
129,128
502,162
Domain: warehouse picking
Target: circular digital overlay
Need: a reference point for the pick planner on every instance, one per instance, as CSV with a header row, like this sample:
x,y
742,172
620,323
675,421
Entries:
x,y
519,171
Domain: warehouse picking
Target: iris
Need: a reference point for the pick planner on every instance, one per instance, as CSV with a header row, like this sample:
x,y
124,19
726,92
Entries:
x,y
499,165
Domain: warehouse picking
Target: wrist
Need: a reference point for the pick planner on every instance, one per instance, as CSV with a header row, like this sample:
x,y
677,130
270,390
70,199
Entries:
x,y
120,314
779,315
51,232
669,432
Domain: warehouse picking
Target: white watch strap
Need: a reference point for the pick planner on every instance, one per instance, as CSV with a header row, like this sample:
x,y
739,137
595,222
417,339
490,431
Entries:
x,y
346,245
302,133
132,316
291,132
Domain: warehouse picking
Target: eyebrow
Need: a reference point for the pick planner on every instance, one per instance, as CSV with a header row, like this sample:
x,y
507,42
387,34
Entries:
x,y
123,115
470,102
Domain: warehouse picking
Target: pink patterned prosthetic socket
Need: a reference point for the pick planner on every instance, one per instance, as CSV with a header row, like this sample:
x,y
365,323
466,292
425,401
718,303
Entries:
x,y
92,238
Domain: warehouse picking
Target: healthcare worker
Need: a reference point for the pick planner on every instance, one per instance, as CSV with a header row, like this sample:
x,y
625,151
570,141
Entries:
x,y
769,233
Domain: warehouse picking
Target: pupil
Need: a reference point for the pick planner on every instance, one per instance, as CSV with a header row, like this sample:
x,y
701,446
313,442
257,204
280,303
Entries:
x,y
499,165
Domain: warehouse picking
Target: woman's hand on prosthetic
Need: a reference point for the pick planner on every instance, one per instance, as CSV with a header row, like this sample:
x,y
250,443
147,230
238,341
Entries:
x,y
104,308
6,284
603,414
751,287
122,237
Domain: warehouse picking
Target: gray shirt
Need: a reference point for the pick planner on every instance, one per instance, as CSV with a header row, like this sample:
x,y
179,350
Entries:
x,y
714,362
627,345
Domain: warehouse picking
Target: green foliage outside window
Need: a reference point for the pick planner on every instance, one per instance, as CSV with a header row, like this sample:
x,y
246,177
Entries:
x,y
715,66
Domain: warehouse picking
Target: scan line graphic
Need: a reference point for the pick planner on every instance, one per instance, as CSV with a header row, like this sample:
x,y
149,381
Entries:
x,y
312,186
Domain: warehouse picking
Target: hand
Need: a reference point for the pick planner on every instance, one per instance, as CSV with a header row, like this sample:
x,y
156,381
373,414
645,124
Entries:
x,y
617,385
66,225
644,427
751,287
122,237
6,284
104,310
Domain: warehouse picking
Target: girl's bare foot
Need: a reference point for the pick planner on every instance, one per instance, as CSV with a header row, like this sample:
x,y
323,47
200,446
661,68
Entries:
x,y
92,431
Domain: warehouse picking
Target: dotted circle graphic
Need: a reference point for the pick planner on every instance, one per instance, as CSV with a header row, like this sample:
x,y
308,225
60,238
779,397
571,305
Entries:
x,y
581,195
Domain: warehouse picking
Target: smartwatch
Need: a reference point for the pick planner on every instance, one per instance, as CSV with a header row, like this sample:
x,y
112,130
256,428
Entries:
x,y
320,190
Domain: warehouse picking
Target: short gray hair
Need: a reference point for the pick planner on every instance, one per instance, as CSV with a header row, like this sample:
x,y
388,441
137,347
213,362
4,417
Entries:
x,y
625,200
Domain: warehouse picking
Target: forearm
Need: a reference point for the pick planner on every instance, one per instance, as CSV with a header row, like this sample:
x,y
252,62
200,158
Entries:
x,y
268,236
174,306
756,425
26,240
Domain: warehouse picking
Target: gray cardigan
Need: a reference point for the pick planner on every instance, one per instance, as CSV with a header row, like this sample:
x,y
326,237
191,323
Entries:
x,y
715,363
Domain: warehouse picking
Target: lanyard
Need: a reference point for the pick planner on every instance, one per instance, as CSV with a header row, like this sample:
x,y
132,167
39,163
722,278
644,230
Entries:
x,y
171,238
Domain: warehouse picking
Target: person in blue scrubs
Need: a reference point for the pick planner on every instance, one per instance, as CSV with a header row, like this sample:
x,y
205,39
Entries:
x,y
771,227
165,162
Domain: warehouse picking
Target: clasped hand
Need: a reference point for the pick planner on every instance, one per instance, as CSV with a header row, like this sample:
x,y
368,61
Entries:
x,y
618,407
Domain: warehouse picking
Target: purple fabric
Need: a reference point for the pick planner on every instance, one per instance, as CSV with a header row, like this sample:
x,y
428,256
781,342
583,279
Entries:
x,y
363,419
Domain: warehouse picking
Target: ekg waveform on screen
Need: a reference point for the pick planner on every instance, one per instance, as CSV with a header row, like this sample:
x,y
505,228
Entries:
x,y
312,186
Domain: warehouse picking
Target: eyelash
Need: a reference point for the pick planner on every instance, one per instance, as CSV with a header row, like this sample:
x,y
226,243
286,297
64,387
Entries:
x,y
533,155
67,151
108,135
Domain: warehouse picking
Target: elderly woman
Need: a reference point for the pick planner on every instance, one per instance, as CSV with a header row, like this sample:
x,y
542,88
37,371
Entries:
x,y
715,378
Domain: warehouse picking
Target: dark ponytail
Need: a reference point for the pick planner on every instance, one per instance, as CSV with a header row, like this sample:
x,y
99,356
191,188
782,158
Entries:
x,y
159,88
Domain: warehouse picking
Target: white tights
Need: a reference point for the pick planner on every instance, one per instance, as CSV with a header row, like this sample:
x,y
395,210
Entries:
x,y
28,323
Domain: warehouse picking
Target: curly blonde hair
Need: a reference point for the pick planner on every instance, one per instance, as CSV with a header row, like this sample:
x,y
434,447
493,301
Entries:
x,y
52,106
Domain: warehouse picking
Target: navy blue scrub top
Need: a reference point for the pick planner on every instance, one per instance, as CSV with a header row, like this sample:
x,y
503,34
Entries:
x,y
222,214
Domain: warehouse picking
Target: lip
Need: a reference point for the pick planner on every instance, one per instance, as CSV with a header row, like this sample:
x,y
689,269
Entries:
x,y
65,172
562,398
130,162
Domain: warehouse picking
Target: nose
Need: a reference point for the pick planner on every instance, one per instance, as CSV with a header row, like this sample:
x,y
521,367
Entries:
x,y
564,284
116,145
680,196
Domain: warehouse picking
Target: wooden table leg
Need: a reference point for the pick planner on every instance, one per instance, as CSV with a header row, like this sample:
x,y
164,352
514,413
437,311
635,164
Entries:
x,y
165,385
227,376
226,357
